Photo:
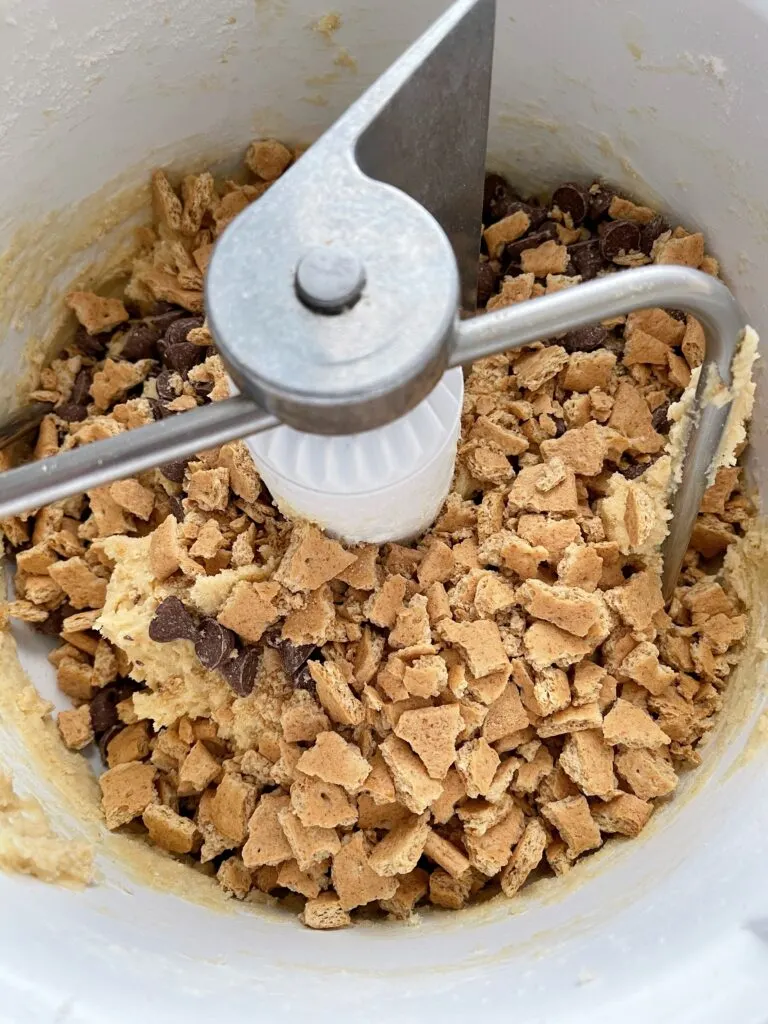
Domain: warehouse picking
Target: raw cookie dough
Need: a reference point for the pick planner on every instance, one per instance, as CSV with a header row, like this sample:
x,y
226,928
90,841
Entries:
x,y
385,727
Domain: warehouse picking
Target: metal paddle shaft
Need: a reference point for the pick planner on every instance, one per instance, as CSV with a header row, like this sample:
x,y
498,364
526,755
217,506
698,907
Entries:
x,y
333,300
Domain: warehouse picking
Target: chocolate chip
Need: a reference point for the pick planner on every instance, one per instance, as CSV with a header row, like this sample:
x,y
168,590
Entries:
x,y
203,388
164,314
618,237
167,391
677,314
514,250
659,418
172,621
81,387
586,258
140,341
176,507
214,644
486,283
572,199
52,626
103,709
106,738
182,357
94,346
498,199
650,232
585,339
295,656
174,471
240,672
599,200
159,411
303,680
177,332
561,426
71,412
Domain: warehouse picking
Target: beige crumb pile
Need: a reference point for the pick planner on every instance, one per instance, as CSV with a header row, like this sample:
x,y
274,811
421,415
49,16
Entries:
x,y
383,727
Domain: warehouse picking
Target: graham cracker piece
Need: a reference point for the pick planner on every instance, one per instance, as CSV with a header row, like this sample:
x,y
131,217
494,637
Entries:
x,y
623,209
96,313
268,158
235,878
209,489
114,380
506,715
476,763
414,787
546,644
588,760
548,258
412,626
513,290
198,770
625,814
716,496
491,851
320,803
444,805
502,430
642,348
312,624
325,913
508,229
426,676
573,719
637,600
82,586
581,566
363,573
632,417
302,719
75,727
573,820
526,856
209,541
399,851
643,667
368,655
632,727
133,497
687,251
477,816
588,370
355,882
505,775
493,595
479,644
437,565
333,759
198,195
130,744
383,607
569,608
109,519
379,783
431,733
166,204
311,559
36,559
583,449
310,844
306,883
448,856
250,610
126,792
232,805
165,550
169,830
525,495
521,557
450,893
411,888
647,773
544,693
587,683
335,694
555,535
266,844
379,816
694,344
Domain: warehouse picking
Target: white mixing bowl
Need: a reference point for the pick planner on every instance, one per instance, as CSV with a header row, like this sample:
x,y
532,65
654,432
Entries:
x,y
666,100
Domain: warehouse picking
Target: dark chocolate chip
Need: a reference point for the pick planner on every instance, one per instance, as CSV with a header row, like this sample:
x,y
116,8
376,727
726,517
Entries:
x,y
650,232
585,339
240,672
303,680
176,507
295,656
71,412
159,411
618,237
167,391
203,388
81,387
677,314
514,250
214,644
659,418
174,471
52,626
182,357
561,426
90,345
106,738
586,258
103,709
140,341
599,200
498,199
177,331
572,199
164,314
172,621
486,283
